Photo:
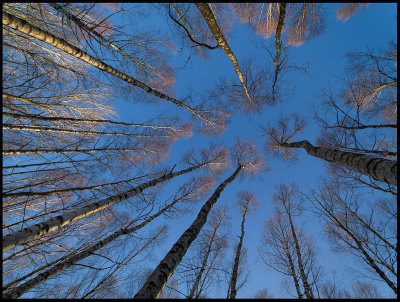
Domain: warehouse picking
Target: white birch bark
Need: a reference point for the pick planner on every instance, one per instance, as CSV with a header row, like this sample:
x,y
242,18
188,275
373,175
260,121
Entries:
x,y
378,168
156,281
216,31
42,35
27,234
66,261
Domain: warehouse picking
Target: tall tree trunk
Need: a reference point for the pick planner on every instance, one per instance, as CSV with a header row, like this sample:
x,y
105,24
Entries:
x,y
49,193
78,132
278,43
37,230
206,274
367,226
372,263
237,259
70,119
69,261
293,271
377,168
155,283
62,151
203,266
368,258
361,249
307,287
42,35
216,31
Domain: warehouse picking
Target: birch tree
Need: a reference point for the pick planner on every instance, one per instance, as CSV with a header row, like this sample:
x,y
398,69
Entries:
x,y
351,231
249,160
246,202
203,267
27,234
280,139
49,38
359,118
192,192
277,250
284,197
212,23
141,52
151,288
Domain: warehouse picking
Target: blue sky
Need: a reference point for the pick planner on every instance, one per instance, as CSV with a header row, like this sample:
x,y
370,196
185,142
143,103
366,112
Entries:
x,y
371,27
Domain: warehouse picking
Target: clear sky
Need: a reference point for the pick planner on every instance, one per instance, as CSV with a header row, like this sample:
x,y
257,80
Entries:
x,y
371,27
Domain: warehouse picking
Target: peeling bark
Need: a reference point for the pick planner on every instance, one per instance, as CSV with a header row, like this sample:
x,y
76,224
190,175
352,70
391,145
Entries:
x,y
378,168
156,281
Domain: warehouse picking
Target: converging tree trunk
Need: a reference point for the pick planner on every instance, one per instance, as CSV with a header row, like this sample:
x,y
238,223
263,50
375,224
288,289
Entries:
x,y
42,35
68,261
17,238
377,168
233,280
293,273
203,264
323,202
307,287
156,281
216,31
278,43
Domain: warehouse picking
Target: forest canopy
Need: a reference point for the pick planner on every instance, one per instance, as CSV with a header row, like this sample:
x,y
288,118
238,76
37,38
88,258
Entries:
x,y
199,150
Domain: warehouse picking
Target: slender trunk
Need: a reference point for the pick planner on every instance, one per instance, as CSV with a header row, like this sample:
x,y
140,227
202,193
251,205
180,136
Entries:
x,y
368,258
237,258
92,32
155,283
79,132
203,266
49,163
206,274
307,287
33,273
365,127
293,271
216,31
377,168
375,267
278,44
379,260
42,35
93,290
69,261
39,151
37,230
70,119
367,226
49,193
